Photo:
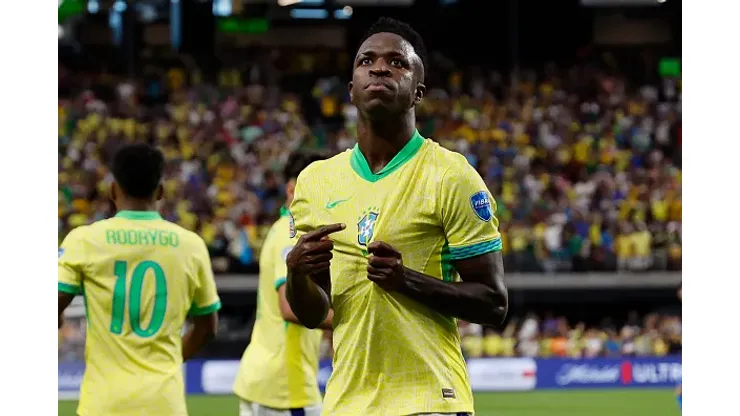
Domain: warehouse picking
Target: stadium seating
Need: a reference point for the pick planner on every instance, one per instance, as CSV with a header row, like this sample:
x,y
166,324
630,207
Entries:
x,y
585,178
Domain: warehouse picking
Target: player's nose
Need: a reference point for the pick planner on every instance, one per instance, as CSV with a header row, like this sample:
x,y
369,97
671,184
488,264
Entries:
x,y
380,69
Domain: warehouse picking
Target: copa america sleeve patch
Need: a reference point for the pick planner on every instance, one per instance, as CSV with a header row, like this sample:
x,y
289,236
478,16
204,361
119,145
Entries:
x,y
481,205
61,252
291,225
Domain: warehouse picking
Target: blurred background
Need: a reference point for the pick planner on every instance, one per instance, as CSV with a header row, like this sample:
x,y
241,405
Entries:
x,y
570,110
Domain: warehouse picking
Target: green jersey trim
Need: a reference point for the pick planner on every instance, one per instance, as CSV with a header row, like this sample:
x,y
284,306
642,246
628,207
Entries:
x,y
279,282
139,215
362,168
206,310
70,289
284,211
446,262
477,249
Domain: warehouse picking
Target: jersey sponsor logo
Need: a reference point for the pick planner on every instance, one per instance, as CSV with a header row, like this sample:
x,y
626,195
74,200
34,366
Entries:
x,y
366,225
291,225
61,252
332,204
481,205
448,393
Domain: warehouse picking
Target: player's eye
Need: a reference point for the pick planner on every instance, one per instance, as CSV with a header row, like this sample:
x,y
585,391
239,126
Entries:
x,y
397,62
366,61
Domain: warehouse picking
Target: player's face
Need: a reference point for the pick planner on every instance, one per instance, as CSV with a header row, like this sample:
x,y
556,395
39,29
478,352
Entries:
x,y
385,77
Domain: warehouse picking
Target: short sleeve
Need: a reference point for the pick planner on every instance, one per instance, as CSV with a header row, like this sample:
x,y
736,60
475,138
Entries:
x,y
300,211
281,268
467,213
205,300
71,262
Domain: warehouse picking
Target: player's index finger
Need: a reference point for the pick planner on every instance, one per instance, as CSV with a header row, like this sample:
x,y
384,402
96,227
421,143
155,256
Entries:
x,y
324,231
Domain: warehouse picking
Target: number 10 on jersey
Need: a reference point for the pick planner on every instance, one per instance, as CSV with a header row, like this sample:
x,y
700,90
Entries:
x,y
132,302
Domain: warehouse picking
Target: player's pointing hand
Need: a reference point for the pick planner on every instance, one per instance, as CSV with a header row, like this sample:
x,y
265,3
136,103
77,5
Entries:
x,y
385,266
311,256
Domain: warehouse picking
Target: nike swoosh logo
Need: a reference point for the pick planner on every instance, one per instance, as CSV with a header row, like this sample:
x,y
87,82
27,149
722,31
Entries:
x,y
332,204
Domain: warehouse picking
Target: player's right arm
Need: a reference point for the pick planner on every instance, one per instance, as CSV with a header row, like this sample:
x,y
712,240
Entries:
x,y
204,311
281,271
71,266
308,281
288,315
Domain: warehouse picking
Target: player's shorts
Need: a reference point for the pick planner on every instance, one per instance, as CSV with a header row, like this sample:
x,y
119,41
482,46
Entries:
x,y
255,409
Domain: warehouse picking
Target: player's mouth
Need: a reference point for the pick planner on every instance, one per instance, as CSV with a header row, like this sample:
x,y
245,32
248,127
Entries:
x,y
378,86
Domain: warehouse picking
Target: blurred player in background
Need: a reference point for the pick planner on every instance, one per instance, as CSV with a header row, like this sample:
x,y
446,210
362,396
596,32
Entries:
x,y
422,249
279,369
141,277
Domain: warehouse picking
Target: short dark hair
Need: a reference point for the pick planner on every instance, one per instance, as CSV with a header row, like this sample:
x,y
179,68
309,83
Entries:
x,y
138,169
299,161
402,29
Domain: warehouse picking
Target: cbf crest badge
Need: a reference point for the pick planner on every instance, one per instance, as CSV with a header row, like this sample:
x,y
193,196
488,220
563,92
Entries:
x,y
366,225
481,205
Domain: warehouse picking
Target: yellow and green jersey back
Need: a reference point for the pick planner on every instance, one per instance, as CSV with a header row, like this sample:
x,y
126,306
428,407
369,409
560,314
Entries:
x,y
280,366
140,277
393,355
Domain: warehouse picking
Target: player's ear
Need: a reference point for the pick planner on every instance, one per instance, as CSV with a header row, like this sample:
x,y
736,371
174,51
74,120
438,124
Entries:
x,y
113,192
349,88
159,193
290,189
421,91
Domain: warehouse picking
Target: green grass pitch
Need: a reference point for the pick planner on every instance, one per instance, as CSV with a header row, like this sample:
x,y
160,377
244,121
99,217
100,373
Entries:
x,y
540,403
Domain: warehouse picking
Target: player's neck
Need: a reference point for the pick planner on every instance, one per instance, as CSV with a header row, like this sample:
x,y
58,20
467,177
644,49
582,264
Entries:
x,y
381,140
136,205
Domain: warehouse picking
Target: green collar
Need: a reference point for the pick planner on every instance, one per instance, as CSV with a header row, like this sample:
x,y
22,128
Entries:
x,y
361,167
139,215
284,211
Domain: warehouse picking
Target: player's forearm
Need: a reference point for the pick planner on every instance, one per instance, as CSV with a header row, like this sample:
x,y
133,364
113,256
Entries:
x,y
325,324
198,336
64,299
469,301
194,341
309,302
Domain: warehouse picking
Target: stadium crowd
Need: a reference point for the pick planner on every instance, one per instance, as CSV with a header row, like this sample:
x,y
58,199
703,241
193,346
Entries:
x,y
585,168
657,335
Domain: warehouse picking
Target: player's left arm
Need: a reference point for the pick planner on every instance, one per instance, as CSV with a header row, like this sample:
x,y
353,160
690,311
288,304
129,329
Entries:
x,y
205,307
471,229
71,267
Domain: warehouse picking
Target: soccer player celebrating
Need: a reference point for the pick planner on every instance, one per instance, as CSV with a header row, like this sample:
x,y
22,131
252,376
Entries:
x,y
422,247
279,370
141,277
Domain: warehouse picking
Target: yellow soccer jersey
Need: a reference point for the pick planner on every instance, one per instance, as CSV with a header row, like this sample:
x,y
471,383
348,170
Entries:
x,y
394,356
280,366
140,277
